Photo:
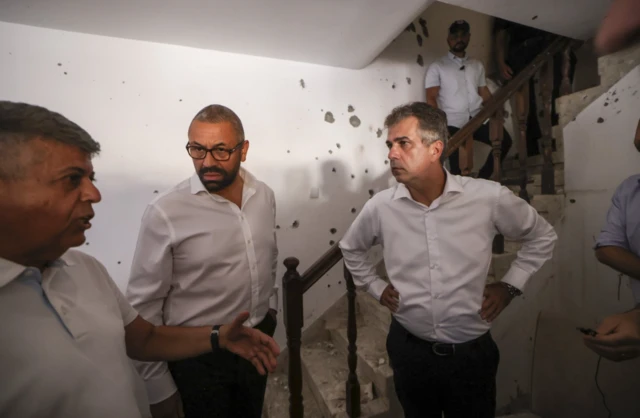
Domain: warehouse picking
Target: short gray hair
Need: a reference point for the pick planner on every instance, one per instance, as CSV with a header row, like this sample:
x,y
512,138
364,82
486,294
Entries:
x,y
21,123
218,114
432,122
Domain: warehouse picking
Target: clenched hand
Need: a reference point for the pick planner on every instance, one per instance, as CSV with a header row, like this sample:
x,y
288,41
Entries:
x,y
390,298
496,298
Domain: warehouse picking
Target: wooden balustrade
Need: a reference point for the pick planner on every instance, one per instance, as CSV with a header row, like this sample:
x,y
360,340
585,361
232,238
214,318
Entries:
x,y
517,91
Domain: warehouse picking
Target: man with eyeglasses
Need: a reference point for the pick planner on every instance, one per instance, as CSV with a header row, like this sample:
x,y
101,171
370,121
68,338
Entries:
x,y
456,84
206,251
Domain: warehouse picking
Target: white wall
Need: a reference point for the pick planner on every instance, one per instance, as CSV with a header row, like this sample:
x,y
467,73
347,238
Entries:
x,y
599,155
137,99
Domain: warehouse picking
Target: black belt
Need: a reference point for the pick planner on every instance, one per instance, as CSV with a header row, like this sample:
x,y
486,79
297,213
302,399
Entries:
x,y
447,349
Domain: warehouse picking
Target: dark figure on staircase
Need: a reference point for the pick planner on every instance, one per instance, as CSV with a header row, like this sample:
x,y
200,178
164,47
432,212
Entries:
x,y
436,230
456,84
516,46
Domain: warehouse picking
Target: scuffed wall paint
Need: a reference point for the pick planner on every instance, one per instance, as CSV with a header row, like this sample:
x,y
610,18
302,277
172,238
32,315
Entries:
x,y
138,98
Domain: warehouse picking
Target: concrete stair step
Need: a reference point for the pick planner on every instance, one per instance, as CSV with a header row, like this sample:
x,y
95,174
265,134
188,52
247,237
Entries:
x,y
537,160
276,399
373,361
325,370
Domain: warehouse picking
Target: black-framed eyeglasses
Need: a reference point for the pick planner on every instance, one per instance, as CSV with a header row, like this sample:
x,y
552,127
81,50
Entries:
x,y
198,152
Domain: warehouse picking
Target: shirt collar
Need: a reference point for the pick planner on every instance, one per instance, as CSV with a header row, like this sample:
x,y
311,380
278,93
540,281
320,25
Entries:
x,y
197,186
451,186
458,59
9,271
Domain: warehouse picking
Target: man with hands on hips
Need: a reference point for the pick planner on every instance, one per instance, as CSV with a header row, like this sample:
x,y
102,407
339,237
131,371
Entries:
x,y
436,230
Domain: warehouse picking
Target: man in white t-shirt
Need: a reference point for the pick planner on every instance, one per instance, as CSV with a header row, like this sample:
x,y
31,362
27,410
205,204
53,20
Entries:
x,y
67,331
456,84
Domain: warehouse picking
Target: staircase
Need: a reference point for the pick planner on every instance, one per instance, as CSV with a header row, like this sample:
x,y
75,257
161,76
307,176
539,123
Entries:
x,y
324,347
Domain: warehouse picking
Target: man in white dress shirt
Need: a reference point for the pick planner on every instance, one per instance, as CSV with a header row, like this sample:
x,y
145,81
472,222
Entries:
x,y
207,251
67,331
436,230
456,84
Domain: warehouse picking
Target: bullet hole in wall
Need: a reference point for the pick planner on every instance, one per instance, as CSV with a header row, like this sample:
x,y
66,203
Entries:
x,y
572,200
331,242
366,171
423,25
419,39
420,61
379,133
338,145
354,121
393,86
155,192
288,151
606,104
87,243
302,84
350,108
119,262
277,226
600,120
295,224
535,17
65,73
59,64
330,151
411,27
328,117
353,176
353,210
408,80
333,170
371,192
333,230
386,161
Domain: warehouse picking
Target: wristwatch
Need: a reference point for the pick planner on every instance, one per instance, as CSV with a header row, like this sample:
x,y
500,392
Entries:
x,y
513,291
215,338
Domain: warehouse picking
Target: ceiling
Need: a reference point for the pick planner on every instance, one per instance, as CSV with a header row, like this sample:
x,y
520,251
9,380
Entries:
x,y
578,19
342,33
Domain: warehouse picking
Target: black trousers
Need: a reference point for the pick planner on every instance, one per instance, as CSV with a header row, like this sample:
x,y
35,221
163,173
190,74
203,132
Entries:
x,y
221,384
481,135
460,383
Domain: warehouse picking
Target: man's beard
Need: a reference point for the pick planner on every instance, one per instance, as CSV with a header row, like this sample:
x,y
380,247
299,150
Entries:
x,y
459,47
213,186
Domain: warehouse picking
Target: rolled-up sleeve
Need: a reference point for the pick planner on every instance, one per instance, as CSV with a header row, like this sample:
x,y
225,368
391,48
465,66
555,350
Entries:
x,y
149,285
613,234
355,245
516,219
432,79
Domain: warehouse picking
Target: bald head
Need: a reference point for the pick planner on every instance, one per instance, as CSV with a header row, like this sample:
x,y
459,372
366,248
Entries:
x,y
218,114
21,123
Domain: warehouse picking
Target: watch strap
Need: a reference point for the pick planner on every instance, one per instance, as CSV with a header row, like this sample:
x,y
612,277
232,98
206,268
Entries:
x,y
215,338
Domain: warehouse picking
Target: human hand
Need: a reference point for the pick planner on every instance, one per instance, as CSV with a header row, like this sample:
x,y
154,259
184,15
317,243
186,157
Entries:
x,y
618,337
390,298
250,344
496,298
505,71
274,314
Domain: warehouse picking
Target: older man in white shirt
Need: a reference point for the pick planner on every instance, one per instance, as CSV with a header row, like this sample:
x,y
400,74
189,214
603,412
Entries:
x,y
67,331
456,84
206,251
436,230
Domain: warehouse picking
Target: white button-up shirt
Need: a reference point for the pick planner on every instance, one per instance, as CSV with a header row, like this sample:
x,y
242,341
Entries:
x,y
437,257
458,96
62,348
200,261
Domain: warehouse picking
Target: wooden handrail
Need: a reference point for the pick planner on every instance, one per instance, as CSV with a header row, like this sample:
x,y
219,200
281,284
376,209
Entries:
x,y
295,284
321,267
502,95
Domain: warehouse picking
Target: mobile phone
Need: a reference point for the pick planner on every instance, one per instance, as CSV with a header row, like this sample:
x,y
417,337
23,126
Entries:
x,y
587,331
